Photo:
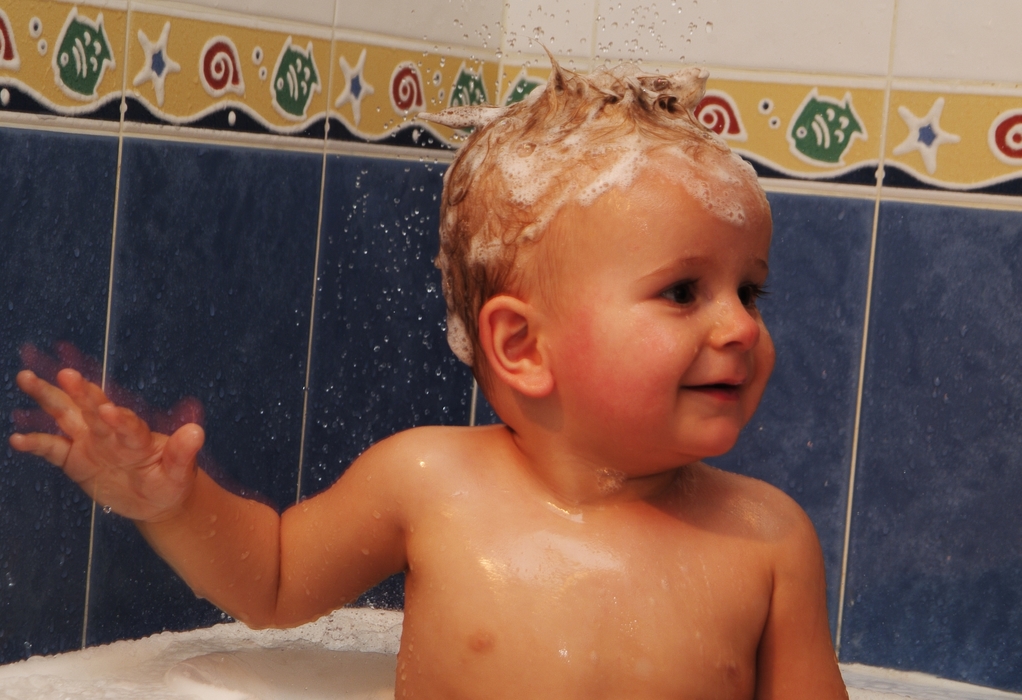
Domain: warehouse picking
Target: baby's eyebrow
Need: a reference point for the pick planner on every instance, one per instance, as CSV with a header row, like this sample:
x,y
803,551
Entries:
x,y
674,266
677,265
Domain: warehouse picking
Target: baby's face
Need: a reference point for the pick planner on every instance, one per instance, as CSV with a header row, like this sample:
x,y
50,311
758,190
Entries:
x,y
658,349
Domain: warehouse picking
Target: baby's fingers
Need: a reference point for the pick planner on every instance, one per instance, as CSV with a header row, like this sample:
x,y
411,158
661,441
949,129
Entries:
x,y
39,362
180,450
54,401
53,448
88,397
131,431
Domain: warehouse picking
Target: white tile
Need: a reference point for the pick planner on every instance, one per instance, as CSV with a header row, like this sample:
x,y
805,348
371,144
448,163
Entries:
x,y
565,27
816,36
318,12
452,22
975,40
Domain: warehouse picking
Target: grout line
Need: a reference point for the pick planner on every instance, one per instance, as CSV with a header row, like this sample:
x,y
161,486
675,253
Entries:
x,y
594,35
503,49
865,337
109,303
315,268
475,403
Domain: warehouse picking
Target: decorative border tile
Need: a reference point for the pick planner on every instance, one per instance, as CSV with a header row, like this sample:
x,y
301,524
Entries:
x,y
193,70
951,140
517,80
379,90
62,59
791,130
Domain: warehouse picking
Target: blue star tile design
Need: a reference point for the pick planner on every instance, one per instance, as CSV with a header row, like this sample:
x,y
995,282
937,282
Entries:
x,y
356,88
158,64
927,135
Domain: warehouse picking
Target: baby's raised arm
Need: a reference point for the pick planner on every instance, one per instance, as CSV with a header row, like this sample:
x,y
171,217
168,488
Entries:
x,y
264,569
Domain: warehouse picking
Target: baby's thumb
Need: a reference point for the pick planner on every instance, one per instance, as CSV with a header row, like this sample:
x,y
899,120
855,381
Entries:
x,y
180,450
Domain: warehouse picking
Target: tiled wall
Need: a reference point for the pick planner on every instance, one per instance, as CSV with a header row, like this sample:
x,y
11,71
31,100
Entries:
x,y
231,212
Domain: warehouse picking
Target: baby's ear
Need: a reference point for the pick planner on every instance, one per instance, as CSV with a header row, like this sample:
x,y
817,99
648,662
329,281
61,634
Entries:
x,y
509,336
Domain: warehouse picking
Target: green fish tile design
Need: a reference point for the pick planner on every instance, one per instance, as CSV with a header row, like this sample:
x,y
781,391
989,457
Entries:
x,y
83,54
823,129
521,89
295,81
468,89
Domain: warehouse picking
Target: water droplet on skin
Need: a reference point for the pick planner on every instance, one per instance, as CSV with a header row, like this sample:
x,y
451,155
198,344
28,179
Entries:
x,y
365,552
376,514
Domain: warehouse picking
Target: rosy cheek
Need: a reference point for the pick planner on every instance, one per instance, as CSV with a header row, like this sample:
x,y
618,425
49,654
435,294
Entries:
x,y
620,371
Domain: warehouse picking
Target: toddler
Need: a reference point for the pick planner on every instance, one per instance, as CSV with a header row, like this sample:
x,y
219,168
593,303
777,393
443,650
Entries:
x,y
602,255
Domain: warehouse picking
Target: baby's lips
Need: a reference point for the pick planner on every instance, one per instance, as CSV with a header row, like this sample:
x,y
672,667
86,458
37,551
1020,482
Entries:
x,y
733,382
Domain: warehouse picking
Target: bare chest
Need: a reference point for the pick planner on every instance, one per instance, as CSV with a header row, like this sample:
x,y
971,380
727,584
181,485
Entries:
x,y
630,605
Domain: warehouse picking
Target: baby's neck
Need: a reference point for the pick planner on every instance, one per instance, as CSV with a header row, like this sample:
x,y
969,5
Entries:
x,y
576,479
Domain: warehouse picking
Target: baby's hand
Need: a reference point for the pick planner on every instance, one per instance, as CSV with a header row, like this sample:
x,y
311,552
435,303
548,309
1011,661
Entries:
x,y
109,451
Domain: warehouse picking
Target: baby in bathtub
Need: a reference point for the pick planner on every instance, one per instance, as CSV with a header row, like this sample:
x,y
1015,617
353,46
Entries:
x,y
602,255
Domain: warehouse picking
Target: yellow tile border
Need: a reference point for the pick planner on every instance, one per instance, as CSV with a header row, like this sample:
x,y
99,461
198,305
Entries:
x,y
186,69
367,89
67,58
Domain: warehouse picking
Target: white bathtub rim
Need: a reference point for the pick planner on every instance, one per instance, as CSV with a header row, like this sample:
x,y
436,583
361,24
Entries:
x,y
882,683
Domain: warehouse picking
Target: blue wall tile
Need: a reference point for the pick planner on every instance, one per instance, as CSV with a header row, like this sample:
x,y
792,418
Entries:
x,y
212,291
485,415
380,360
935,570
56,217
800,439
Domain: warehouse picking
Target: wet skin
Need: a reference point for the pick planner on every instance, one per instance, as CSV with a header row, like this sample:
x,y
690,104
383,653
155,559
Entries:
x,y
580,551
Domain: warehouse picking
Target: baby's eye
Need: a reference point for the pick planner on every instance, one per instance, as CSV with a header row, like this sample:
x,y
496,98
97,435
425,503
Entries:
x,y
682,292
748,294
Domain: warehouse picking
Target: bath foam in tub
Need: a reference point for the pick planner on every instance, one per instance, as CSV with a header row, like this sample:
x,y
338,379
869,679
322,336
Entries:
x,y
349,654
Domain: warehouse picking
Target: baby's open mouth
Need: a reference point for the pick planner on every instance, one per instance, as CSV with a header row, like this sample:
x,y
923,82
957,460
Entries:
x,y
721,390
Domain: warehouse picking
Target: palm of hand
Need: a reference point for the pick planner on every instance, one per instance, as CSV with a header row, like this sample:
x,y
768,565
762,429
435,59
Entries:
x,y
109,451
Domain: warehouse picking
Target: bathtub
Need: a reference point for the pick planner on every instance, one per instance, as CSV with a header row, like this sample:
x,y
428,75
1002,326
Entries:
x,y
349,654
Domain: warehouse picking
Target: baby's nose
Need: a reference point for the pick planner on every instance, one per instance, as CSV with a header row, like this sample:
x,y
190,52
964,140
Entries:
x,y
734,325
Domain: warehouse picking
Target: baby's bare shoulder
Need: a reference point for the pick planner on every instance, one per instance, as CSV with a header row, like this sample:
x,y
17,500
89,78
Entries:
x,y
438,443
430,455
751,508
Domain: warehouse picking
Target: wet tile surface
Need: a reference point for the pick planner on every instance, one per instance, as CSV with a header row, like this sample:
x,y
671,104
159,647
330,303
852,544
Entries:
x,y
936,557
800,439
212,292
380,360
56,216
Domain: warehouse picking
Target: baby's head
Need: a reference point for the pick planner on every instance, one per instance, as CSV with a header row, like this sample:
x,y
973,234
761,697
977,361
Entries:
x,y
567,144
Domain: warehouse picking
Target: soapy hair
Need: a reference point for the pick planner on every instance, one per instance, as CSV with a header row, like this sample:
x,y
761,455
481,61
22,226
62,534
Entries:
x,y
567,142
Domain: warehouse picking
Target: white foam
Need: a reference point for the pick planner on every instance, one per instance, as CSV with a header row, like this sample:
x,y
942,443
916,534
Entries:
x,y
129,670
457,338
